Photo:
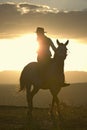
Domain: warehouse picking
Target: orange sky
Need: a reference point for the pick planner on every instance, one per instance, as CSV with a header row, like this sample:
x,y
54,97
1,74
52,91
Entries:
x,y
18,41
20,19
16,53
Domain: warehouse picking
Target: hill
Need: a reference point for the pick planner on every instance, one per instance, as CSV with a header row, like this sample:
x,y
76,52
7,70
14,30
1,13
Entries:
x,y
12,77
76,76
75,94
9,77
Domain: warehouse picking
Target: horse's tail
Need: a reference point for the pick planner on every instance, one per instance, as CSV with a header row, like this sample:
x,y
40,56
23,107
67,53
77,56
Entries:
x,y
26,75
22,81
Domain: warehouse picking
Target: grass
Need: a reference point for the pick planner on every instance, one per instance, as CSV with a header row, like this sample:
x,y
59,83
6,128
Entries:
x,y
15,118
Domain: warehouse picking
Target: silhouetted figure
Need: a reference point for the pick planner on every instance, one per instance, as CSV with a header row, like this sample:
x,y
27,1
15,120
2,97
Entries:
x,y
53,75
44,53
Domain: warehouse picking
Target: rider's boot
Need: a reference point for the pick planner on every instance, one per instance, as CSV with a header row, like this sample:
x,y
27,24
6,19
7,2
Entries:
x,y
64,84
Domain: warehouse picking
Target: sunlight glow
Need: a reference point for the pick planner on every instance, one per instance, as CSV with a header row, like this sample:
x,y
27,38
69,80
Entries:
x,y
16,53
76,59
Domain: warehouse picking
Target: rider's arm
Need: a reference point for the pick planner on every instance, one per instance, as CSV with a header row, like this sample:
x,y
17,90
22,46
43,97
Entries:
x,y
52,45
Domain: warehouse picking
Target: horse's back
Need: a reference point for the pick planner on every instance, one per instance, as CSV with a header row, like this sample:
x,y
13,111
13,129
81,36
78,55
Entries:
x,y
28,74
29,69
30,66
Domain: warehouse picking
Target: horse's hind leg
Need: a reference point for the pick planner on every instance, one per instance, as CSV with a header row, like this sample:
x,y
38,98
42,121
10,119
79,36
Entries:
x,y
30,93
29,100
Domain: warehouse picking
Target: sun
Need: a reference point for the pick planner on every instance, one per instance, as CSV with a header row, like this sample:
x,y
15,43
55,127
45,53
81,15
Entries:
x,y
16,53
28,44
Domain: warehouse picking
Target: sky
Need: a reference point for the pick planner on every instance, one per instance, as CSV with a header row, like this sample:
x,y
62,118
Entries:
x,y
62,19
60,4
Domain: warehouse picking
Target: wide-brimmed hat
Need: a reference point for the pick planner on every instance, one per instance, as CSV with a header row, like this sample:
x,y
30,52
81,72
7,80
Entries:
x,y
40,30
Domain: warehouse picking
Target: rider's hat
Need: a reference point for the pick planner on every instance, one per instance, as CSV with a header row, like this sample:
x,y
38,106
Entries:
x,y
40,30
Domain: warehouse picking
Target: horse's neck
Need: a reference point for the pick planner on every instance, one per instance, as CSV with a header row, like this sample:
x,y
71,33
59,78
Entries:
x,y
59,62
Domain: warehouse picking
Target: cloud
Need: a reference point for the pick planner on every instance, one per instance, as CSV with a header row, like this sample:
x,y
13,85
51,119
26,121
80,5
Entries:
x,y
24,18
37,8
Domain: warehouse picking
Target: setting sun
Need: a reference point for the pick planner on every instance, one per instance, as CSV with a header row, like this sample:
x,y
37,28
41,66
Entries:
x,y
16,53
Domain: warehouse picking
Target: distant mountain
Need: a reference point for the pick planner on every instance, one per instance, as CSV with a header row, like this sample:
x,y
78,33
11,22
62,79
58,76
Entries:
x,y
76,76
75,94
9,77
12,77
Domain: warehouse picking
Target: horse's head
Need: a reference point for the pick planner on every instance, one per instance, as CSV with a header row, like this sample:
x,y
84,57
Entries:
x,y
61,51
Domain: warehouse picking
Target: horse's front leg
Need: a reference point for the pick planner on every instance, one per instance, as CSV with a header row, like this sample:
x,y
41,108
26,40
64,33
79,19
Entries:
x,y
55,105
52,106
56,113
58,108
55,100
58,104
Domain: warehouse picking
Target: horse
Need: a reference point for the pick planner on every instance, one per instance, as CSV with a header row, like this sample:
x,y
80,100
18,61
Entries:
x,y
51,77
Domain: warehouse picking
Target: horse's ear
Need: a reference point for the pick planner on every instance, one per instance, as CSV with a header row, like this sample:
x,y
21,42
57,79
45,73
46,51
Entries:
x,y
66,43
57,41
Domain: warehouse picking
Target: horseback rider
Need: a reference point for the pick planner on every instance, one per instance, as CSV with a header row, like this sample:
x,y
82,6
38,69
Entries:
x,y
44,53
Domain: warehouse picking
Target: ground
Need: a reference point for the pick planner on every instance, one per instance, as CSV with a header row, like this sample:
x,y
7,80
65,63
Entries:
x,y
15,118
